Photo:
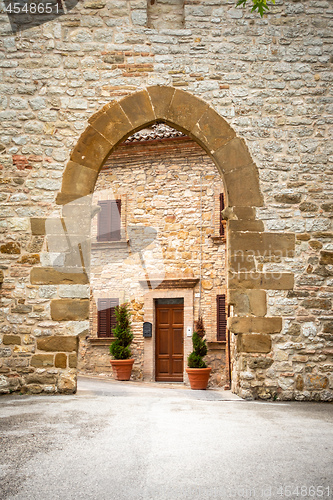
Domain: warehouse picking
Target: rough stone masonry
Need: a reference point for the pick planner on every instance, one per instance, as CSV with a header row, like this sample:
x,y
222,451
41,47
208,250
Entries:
x,y
102,72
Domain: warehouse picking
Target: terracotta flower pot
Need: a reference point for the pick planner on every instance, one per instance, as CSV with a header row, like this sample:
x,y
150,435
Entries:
x,y
198,377
122,368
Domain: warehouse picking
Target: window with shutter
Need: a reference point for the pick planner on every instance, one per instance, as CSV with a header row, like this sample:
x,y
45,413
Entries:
x,y
222,222
106,317
109,220
221,318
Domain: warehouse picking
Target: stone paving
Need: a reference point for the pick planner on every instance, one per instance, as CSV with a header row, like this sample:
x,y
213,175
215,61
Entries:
x,y
132,441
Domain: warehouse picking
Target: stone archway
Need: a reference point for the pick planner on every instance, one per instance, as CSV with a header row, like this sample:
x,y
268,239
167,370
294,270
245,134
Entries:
x,y
245,235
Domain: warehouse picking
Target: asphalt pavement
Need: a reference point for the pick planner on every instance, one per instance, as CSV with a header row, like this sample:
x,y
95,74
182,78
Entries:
x,y
138,441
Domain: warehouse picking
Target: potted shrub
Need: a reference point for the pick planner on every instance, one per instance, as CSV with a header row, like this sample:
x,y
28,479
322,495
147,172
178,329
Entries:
x,y
197,370
119,349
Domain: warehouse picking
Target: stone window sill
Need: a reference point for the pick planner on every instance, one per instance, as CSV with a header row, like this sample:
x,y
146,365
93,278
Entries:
x,y
218,240
216,345
112,245
100,341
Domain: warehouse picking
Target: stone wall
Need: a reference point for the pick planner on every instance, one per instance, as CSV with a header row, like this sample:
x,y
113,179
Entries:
x,y
270,79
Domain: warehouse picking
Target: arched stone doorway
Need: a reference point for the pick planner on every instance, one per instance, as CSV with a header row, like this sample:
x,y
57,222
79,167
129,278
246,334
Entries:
x,y
246,238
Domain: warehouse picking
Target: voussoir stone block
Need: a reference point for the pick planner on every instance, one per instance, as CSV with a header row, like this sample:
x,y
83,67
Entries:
x,y
65,343
243,185
233,155
50,276
252,342
185,110
91,150
160,98
251,324
69,309
138,109
79,179
65,198
265,281
113,124
212,130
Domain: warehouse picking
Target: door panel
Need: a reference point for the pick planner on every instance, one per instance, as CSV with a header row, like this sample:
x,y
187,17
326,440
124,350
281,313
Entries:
x,y
169,342
164,341
177,334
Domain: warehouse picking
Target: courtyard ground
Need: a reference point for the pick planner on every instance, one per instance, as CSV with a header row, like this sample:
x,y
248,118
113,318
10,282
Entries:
x,y
137,441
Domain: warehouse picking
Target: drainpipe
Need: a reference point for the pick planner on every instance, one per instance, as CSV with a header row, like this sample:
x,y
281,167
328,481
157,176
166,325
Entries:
x,y
200,243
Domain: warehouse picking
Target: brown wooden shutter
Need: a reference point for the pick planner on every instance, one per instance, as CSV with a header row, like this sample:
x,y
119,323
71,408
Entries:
x,y
222,207
109,220
221,318
106,317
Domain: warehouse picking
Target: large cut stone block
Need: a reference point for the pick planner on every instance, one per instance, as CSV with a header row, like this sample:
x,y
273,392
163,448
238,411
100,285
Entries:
x,y
246,225
91,150
37,226
72,360
65,343
265,281
245,213
250,324
248,302
265,244
241,263
212,131
185,110
70,309
252,342
138,109
161,97
113,124
41,360
60,360
50,276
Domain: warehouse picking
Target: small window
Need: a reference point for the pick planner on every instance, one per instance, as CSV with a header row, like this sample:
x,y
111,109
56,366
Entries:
x,y
109,220
222,221
106,317
221,318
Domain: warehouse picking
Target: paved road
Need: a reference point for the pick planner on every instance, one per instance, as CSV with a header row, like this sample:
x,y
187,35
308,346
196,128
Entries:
x,y
132,441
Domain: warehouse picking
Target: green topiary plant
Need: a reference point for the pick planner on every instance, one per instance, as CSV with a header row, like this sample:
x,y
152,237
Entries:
x,y
199,347
122,331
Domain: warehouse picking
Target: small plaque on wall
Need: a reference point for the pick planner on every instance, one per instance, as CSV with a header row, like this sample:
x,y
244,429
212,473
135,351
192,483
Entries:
x,y
147,329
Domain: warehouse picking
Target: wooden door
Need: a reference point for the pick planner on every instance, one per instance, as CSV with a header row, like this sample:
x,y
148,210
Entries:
x,y
169,342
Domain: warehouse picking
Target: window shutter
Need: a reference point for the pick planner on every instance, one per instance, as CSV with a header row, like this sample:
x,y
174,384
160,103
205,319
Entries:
x,y
106,317
222,207
221,318
109,220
